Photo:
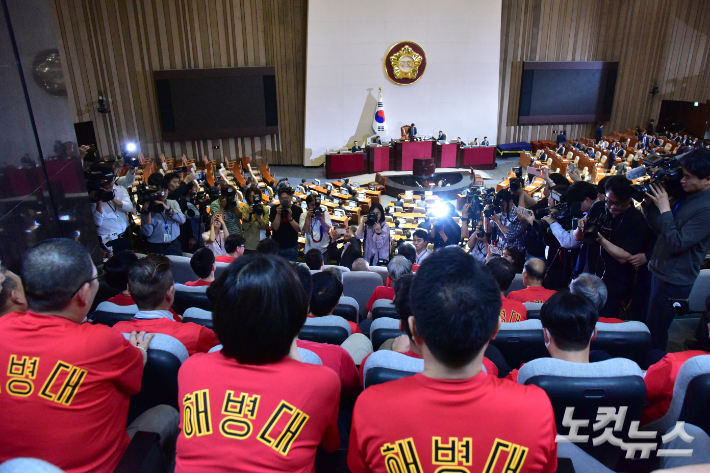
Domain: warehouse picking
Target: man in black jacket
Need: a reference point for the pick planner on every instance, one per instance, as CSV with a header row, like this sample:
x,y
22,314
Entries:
x,y
683,241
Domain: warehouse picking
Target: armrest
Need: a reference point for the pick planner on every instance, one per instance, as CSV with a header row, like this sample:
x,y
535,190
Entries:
x,y
143,455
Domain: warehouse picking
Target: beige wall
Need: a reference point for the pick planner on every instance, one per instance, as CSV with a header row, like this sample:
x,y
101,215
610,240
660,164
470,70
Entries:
x,y
112,47
655,41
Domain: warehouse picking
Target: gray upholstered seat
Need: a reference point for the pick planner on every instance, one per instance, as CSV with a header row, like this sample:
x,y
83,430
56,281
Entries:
x,y
516,285
384,322
219,268
197,313
533,309
360,285
701,289
215,348
307,356
696,366
554,367
341,268
349,301
181,269
184,288
167,343
382,271
329,321
107,306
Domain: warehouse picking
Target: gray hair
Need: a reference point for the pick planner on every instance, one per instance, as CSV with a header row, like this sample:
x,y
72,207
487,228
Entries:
x,y
360,264
398,267
337,272
590,286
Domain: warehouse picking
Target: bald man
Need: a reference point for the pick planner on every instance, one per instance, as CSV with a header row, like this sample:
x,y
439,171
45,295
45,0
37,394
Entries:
x,y
12,294
533,275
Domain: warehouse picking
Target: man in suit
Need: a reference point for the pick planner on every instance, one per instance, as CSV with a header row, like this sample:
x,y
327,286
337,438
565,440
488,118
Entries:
x,y
650,127
442,136
412,131
376,140
561,138
355,147
485,141
600,131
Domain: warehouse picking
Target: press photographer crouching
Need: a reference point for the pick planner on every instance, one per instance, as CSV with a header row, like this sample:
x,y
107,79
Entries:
x,y
621,232
284,223
111,208
375,236
160,218
682,222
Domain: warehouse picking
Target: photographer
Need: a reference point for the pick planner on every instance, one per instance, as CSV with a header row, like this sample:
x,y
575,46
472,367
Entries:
x,y
621,232
375,236
110,207
683,230
253,223
580,196
161,219
227,205
284,219
478,244
179,191
505,215
315,224
217,236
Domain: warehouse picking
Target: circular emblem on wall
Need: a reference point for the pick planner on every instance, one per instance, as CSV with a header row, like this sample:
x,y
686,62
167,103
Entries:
x,y
405,63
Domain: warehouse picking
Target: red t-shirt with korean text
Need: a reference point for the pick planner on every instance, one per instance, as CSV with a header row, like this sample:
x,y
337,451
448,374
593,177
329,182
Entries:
x,y
514,427
257,418
512,311
660,380
65,391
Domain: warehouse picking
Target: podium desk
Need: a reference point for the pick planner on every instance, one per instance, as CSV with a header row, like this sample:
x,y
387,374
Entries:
x,y
446,155
379,159
405,152
480,157
344,165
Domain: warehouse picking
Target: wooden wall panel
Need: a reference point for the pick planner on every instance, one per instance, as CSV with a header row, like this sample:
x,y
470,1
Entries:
x,y
662,42
112,47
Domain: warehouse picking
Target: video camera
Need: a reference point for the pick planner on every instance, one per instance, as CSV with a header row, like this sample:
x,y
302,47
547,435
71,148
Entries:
x,y
371,219
479,198
147,197
599,225
564,212
96,178
317,210
257,208
664,170
515,183
230,194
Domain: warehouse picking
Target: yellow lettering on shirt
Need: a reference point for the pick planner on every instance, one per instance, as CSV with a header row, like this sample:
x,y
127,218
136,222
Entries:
x,y
21,371
234,408
401,457
516,457
283,442
514,316
455,452
68,390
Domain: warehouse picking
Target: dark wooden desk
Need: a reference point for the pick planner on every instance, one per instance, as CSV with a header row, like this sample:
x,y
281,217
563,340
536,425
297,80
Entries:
x,y
406,151
379,159
345,165
480,157
446,155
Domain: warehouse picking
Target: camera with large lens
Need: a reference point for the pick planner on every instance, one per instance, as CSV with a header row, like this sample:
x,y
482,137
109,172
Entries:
x,y
257,208
96,178
493,209
148,197
317,210
371,219
664,170
594,227
230,194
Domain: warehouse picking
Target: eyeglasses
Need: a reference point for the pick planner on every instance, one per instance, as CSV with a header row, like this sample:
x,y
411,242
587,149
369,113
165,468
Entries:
x,y
99,273
611,203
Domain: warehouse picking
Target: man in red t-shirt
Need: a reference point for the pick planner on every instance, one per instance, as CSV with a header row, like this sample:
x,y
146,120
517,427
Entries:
x,y
202,263
456,309
569,325
660,381
504,273
397,267
234,246
533,275
12,294
59,371
151,283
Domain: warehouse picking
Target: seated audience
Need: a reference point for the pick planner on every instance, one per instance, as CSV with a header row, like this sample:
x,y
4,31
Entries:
x,y
456,309
313,259
503,272
334,357
150,281
116,269
267,246
12,294
569,325
397,267
258,392
593,287
234,246
202,263
327,291
64,372
408,251
516,257
533,275
351,249
360,265
420,239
